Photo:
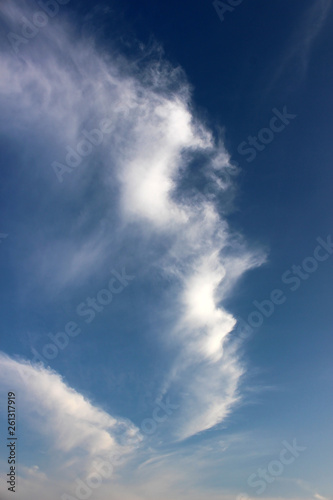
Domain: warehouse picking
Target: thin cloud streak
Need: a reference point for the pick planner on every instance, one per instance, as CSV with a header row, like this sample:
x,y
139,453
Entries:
x,y
301,42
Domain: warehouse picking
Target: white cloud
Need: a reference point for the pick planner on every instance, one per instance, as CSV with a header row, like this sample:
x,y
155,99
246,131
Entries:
x,y
155,136
61,88
66,420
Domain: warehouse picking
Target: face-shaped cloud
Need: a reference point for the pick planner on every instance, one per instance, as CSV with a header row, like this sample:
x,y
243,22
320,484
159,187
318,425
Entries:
x,y
136,178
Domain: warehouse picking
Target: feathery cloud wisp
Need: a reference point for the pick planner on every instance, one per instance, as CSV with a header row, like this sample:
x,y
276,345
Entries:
x,y
137,179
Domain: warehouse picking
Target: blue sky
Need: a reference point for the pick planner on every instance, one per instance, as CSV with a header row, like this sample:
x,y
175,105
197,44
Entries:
x,y
166,249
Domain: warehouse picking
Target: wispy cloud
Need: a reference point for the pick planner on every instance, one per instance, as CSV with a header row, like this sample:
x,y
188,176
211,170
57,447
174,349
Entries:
x,y
68,422
136,181
298,52
155,137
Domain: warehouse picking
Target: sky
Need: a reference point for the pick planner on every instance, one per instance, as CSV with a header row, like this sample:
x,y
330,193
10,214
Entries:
x,y
166,250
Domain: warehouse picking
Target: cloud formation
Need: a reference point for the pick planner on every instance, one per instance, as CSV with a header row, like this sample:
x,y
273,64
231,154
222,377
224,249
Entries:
x,y
67,420
138,178
297,55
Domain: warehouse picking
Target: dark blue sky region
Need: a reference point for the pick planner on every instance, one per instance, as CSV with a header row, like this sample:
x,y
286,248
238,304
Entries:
x,y
166,248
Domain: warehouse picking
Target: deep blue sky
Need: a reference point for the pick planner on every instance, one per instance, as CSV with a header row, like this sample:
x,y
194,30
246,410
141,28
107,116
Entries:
x,y
182,90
